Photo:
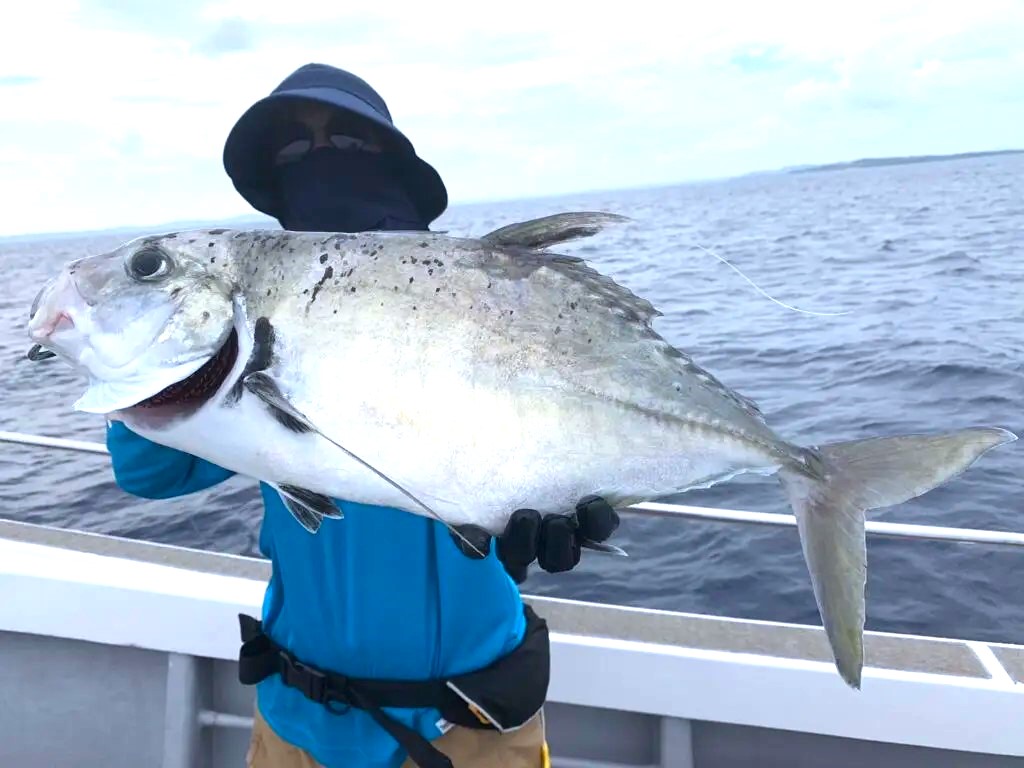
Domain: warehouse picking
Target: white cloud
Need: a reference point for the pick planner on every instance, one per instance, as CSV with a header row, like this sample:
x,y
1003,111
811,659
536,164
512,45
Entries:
x,y
116,113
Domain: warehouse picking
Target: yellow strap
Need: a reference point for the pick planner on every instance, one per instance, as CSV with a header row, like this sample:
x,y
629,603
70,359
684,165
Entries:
x,y
545,756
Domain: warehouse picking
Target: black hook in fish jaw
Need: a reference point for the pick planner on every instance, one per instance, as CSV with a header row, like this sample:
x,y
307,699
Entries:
x,y
37,353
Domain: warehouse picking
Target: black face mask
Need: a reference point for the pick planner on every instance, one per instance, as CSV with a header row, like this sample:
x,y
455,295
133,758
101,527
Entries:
x,y
335,190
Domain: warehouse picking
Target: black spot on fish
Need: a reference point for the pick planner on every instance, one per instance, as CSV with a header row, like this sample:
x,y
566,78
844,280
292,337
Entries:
x,y
337,245
206,315
413,307
424,244
572,305
175,293
211,244
410,280
439,262
430,271
218,231
352,289
414,260
437,290
327,275
213,259
323,258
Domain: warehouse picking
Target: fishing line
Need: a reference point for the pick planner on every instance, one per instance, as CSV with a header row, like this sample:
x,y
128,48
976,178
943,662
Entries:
x,y
264,387
762,292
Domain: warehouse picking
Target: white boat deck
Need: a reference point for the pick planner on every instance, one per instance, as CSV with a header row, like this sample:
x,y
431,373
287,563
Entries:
x,y
119,652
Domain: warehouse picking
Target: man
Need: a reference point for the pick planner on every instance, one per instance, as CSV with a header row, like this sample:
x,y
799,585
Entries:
x,y
381,595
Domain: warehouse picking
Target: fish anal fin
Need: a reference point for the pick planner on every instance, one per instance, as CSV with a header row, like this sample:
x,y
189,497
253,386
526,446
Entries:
x,y
557,228
263,386
604,547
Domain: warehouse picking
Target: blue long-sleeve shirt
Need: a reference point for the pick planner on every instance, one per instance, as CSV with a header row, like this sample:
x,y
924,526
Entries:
x,y
379,593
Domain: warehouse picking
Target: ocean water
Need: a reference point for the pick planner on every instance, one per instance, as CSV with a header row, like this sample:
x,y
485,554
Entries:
x,y
926,261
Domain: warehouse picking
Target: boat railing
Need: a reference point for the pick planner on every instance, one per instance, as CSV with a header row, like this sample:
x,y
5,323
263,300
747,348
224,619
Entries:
x,y
657,509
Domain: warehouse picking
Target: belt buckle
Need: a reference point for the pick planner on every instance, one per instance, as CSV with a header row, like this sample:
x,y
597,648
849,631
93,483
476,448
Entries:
x,y
312,682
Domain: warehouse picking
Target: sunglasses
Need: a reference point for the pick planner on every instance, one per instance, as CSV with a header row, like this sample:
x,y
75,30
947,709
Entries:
x,y
294,140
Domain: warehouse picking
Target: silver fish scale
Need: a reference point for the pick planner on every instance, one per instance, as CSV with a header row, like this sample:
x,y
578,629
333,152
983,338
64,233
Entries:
x,y
547,317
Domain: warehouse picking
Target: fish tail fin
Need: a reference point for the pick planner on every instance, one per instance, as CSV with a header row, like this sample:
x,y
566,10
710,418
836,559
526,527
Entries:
x,y
830,494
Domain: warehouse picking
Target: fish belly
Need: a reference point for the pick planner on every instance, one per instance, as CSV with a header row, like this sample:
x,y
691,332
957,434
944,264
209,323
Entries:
x,y
474,471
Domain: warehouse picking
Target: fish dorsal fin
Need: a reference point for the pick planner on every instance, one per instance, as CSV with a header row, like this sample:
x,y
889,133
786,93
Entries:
x,y
596,288
536,234
604,289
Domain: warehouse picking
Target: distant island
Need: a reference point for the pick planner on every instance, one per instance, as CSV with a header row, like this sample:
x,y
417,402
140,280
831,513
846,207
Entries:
x,y
871,162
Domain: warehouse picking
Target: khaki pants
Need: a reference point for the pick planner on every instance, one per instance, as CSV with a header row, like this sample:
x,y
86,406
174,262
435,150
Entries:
x,y
466,747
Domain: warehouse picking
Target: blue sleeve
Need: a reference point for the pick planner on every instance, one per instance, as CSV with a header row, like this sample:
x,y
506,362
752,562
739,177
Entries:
x,y
153,471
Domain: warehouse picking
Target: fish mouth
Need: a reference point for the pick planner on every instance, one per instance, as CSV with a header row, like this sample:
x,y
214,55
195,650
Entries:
x,y
196,389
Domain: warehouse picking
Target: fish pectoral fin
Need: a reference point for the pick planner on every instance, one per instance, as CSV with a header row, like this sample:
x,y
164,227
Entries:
x,y
263,386
266,389
308,507
550,230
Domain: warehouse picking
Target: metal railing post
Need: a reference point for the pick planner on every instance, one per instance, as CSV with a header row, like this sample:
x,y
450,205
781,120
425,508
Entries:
x,y
181,713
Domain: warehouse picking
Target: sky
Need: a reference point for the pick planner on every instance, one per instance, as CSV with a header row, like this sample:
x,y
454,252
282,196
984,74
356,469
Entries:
x,y
114,113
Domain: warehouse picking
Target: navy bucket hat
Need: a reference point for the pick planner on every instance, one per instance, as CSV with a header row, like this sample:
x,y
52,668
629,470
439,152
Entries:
x,y
248,153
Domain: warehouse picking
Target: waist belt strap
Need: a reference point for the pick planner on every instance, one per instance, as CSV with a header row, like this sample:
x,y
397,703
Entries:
x,y
502,696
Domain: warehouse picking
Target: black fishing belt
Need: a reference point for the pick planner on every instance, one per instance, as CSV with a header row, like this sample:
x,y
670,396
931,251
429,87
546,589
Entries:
x,y
502,696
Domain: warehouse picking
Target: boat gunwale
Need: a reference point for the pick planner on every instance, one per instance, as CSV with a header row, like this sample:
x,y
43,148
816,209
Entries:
x,y
53,589
776,639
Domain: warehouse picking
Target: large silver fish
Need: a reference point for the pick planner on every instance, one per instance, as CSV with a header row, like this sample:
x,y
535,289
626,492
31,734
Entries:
x,y
452,377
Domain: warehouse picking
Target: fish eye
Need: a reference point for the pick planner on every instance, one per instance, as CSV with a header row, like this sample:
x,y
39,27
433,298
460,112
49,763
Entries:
x,y
148,263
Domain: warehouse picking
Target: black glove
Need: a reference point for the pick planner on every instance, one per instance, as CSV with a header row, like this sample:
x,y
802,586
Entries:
x,y
554,541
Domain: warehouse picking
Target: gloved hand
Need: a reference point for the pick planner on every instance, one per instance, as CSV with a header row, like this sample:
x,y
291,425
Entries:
x,y
554,541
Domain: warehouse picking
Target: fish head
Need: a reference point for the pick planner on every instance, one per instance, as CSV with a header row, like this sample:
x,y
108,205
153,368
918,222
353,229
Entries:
x,y
136,320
